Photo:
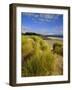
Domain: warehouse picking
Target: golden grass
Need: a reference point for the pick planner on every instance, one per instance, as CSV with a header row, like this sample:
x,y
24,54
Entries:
x,y
38,59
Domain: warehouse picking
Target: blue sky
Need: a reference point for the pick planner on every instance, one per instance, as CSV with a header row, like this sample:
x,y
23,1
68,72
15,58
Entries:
x,y
42,23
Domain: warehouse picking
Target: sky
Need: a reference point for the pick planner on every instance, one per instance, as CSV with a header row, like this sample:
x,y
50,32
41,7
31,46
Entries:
x,y
42,23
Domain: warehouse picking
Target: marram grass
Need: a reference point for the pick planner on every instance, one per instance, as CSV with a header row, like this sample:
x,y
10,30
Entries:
x,y
37,57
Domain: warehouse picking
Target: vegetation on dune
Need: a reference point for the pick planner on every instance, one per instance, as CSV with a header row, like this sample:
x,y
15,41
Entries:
x,y
58,48
37,57
27,46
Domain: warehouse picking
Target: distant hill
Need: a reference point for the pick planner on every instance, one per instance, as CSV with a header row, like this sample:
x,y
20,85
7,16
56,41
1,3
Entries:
x,y
32,33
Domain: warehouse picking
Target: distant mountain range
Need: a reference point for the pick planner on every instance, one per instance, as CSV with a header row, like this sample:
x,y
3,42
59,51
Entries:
x,y
32,33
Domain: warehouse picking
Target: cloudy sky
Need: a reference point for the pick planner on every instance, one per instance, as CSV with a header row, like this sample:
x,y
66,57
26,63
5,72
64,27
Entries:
x,y
42,23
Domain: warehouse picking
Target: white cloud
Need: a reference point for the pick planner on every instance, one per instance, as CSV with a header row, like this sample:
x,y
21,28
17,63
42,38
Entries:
x,y
25,29
42,17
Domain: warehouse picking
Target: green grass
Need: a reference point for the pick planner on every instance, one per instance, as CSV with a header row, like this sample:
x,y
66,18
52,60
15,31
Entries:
x,y
37,57
58,48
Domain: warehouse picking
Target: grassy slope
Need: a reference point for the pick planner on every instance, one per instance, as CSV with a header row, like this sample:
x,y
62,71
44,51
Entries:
x,y
38,58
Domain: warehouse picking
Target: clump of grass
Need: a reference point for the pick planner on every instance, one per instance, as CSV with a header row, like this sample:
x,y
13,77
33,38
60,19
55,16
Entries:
x,y
41,63
58,48
27,45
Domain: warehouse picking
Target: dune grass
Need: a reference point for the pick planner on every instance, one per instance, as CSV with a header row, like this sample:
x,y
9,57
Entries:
x,y
38,58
